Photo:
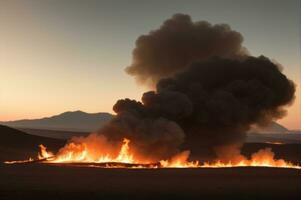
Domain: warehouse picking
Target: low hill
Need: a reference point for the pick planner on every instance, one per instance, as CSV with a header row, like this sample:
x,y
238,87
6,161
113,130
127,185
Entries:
x,y
68,121
289,138
54,133
274,128
15,144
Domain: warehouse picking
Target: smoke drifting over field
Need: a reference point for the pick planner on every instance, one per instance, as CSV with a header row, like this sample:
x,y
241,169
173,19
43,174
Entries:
x,y
209,91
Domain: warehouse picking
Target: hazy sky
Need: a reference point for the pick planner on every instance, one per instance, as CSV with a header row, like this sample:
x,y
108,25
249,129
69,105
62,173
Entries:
x,y
59,55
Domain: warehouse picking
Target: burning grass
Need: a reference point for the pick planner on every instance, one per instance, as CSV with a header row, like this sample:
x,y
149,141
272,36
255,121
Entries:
x,y
85,154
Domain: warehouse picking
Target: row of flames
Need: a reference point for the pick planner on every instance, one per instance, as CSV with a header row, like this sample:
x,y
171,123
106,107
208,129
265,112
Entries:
x,y
78,153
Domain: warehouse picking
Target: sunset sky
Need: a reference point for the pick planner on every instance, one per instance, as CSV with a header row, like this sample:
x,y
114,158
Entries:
x,y
59,55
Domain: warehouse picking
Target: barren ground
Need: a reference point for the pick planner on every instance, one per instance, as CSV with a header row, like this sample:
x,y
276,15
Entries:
x,y
41,181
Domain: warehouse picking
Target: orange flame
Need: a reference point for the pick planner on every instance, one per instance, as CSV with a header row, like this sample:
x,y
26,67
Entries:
x,y
180,161
124,155
82,153
44,154
262,158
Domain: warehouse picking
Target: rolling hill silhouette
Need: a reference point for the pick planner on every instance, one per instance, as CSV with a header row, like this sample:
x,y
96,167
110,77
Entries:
x,y
17,145
274,127
68,121
79,121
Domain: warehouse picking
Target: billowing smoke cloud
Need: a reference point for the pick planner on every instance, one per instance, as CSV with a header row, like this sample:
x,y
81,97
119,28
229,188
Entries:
x,y
178,43
152,137
208,90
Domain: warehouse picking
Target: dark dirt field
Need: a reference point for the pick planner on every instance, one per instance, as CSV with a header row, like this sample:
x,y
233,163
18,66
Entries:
x,y
41,181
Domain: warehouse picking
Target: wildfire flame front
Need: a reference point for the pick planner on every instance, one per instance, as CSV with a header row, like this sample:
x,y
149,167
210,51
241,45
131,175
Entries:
x,y
78,153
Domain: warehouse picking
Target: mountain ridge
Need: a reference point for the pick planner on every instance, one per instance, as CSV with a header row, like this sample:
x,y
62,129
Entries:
x,y
273,127
66,121
79,121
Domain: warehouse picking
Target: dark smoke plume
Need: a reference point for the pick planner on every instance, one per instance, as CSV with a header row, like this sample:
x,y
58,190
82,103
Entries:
x,y
208,91
178,43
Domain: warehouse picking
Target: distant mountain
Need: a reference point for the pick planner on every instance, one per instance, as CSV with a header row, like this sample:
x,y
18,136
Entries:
x,y
67,121
274,127
289,138
79,121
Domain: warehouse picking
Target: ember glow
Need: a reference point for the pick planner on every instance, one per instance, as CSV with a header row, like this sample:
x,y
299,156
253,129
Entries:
x,y
19,161
278,143
81,153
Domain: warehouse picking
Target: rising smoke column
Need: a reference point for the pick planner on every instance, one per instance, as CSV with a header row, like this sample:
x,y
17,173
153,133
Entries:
x,y
179,42
209,91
